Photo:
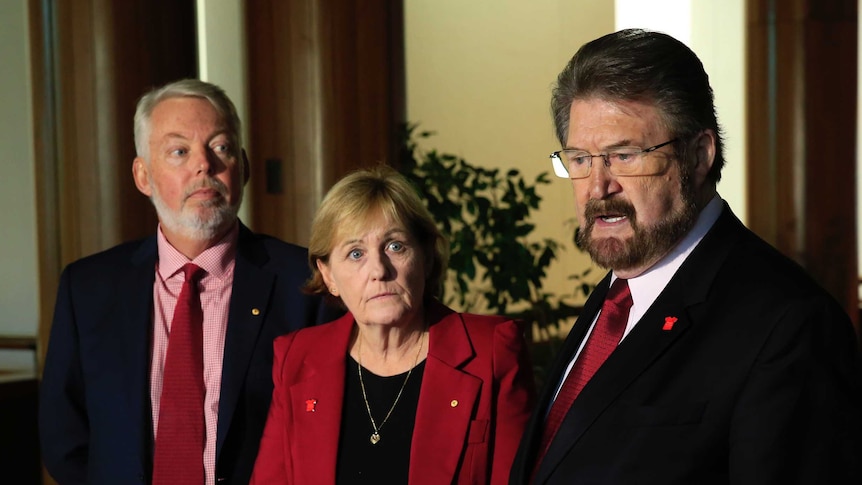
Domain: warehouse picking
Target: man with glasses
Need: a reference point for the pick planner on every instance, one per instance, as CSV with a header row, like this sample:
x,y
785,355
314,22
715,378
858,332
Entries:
x,y
704,356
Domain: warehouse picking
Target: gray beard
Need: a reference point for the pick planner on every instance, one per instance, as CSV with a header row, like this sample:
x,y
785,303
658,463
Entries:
x,y
204,225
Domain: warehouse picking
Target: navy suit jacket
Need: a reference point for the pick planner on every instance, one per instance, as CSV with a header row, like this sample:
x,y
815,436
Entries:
x,y
95,415
756,381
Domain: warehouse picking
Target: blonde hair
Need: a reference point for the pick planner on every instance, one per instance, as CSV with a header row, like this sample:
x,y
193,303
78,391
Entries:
x,y
363,194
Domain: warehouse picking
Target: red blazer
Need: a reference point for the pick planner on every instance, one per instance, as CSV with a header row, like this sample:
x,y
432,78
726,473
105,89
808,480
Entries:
x,y
477,391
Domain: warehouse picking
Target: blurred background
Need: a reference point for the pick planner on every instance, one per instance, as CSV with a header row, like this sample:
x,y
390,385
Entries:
x,y
325,86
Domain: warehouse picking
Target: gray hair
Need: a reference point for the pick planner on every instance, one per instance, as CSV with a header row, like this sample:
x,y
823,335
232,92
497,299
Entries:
x,y
185,88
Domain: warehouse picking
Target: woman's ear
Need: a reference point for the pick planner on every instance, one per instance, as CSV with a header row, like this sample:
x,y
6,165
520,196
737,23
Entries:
x,y
326,273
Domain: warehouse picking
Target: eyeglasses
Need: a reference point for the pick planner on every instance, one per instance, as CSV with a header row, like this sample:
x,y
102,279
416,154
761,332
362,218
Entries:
x,y
621,162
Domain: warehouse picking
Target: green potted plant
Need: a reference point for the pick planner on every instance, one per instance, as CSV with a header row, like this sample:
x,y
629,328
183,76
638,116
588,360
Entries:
x,y
497,264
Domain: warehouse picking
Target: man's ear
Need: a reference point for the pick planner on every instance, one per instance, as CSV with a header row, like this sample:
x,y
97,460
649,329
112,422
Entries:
x,y
246,167
705,155
141,174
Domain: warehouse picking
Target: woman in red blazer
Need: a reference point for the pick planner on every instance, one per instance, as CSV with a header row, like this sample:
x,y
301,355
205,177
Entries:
x,y
401,389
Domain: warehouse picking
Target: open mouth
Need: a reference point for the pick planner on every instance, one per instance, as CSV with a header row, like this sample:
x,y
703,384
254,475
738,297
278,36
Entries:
x,y
608,211
612,219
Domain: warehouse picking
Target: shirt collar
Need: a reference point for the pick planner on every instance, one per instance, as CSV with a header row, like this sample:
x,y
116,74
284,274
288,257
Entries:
x,y
217,260
646,287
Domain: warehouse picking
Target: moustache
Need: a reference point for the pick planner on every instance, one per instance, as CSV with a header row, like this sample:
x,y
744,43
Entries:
x,y
597,208
207,183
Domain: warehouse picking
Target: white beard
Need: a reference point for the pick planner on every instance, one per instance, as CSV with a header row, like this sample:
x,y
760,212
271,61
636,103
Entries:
x,y
203,224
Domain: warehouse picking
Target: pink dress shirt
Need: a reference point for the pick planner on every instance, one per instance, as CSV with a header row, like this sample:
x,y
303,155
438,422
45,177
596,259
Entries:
x,y
216,288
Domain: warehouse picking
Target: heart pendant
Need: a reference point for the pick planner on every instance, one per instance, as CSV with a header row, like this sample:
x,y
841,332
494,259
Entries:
x,y
375,437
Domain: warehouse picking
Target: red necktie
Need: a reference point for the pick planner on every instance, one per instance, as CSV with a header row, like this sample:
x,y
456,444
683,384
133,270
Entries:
x,y
181,432
602,341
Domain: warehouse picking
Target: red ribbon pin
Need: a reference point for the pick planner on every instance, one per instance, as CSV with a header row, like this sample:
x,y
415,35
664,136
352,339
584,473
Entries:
x,y
309,405
668,323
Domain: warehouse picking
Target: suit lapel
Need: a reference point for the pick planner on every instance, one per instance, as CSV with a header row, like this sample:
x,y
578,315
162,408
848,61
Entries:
x,y
315,434
647,341
643,345
533,433
447,396
252,287
136,334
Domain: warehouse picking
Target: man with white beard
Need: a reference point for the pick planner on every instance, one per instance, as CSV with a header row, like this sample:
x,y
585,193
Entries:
x,y
109,390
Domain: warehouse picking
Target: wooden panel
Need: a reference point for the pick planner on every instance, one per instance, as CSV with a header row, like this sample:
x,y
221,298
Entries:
x,y
274,143
830,163
365,35
326,84
46,171
91,61
105,54
802,87
152,42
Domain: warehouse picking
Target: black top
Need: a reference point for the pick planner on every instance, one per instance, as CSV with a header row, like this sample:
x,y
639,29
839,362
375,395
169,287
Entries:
x,y
388,461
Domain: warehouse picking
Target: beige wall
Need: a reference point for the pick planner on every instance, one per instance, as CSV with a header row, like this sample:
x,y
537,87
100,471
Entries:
x,y
222,60
705,26
723,58
479,73
19,308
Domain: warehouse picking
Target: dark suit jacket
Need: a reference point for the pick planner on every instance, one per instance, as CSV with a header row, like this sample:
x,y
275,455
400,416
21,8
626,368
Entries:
x,y
95,416
757,382
478,361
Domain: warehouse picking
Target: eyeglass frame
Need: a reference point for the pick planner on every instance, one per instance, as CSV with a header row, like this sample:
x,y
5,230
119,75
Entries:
x,y
605,157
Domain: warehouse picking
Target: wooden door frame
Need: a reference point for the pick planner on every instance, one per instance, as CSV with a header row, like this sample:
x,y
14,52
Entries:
x,y
802,98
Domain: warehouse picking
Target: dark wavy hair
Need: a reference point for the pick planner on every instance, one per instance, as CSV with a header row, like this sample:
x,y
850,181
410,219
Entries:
x,y
647,67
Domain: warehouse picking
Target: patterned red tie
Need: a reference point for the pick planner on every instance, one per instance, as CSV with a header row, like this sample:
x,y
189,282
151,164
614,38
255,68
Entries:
x,y
181,432
602,341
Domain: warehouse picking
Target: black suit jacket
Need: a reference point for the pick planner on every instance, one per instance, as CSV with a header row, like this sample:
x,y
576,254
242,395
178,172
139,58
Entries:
x,y
757,381
95,415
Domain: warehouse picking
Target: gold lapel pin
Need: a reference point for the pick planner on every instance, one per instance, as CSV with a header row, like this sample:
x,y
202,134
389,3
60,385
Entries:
x,y
255,311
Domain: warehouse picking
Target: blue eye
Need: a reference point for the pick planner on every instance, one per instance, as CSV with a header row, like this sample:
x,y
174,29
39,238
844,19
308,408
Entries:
x,y
626,155
179,152
354,254
396,246
221,148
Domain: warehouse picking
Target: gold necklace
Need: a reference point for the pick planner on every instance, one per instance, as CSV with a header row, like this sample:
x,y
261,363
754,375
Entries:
x,y
375,436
